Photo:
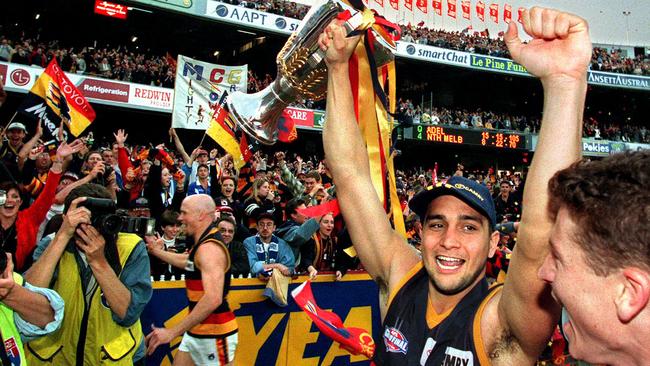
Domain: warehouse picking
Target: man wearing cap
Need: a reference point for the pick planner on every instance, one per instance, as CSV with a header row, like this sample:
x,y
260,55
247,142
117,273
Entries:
x,y
266,251
437,308
14,134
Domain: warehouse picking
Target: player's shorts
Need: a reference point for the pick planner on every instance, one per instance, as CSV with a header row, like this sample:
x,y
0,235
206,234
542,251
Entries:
x,y
210,351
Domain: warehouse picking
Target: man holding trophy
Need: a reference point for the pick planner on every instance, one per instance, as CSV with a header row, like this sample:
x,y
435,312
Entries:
x,y
437,307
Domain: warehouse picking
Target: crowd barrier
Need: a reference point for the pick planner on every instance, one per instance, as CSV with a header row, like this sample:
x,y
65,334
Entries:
x,y
271,335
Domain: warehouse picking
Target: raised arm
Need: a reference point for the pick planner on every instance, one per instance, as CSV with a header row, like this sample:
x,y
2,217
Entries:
x,y
30,306
155,247
179,146
29,145
347,158
558,54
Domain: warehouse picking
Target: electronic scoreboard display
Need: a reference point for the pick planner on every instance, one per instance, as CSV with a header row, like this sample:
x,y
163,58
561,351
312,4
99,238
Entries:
x,y
461,136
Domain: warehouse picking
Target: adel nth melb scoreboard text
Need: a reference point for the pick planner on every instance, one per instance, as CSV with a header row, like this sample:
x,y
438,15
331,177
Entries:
x,y
462,136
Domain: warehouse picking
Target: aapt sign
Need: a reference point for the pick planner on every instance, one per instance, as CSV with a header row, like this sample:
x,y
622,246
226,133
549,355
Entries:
x,y
110,9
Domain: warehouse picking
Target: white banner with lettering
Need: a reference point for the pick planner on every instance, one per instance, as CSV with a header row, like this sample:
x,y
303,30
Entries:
x,y
198,89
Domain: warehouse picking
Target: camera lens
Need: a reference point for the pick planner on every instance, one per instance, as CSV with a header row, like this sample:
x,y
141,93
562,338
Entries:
x,y
110,224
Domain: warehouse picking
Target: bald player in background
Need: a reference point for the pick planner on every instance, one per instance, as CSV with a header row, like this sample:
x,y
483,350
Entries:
x,y
210,329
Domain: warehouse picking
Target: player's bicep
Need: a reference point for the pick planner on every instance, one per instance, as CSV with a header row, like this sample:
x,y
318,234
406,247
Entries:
x,y
213,262
526,299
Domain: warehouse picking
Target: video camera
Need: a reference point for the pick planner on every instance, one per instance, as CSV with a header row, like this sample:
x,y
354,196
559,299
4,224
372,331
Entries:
x,y
110,221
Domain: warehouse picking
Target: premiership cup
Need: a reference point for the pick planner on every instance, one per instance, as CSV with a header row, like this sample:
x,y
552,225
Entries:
x,y
302,73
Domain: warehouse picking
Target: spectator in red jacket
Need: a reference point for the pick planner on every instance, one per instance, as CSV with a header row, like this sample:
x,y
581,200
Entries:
x,y
18,229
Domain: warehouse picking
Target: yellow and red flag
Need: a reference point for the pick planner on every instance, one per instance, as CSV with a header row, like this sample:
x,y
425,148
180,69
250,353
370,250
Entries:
x,y
224,132
54,97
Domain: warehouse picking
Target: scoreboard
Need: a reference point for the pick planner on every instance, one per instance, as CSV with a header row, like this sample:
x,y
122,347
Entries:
x,y
463,136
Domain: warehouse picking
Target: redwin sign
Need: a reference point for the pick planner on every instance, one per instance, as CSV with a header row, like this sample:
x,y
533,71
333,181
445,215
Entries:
x,y
111,9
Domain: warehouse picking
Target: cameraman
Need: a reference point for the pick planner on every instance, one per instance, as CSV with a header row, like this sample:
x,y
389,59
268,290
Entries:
x,y
104,281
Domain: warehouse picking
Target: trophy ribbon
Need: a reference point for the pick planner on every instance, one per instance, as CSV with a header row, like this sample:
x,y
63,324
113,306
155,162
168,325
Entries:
x,y
374,94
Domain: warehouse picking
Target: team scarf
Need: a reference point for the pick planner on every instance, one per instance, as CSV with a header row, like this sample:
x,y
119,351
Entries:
x,y
374,97
355,340
269,256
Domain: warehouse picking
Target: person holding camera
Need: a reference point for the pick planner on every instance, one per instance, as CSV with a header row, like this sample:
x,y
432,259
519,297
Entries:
x,y
103,276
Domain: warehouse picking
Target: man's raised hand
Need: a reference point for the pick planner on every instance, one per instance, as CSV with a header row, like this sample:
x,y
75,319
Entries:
x,y
560,49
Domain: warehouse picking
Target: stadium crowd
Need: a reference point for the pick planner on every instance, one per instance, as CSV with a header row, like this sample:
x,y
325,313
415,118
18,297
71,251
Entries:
x,y
467,40
597,124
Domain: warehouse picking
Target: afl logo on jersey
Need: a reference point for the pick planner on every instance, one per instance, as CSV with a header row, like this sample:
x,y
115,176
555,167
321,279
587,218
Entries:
x,y
395,341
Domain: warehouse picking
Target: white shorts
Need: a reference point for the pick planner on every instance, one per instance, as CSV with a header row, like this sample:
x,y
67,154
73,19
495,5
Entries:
x,y
210,351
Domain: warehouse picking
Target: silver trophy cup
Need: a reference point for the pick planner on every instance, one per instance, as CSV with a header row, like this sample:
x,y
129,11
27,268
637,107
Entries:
x,y
302,73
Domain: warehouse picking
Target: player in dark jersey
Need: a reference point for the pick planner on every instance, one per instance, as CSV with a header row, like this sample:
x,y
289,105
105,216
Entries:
x,y
437,309
210,330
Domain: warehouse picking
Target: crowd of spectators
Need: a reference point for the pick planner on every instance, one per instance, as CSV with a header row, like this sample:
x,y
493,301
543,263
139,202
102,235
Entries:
x,y
480,42
598,126
614,61
117,63
467,40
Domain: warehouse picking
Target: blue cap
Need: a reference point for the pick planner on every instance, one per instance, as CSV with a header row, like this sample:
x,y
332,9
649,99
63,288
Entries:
x,y
474,194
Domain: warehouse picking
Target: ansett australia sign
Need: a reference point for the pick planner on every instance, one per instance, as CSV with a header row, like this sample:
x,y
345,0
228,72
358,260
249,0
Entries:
x,y
249,17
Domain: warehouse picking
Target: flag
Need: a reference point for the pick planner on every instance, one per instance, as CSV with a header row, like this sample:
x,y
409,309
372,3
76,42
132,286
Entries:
x,y
355,340
380,2
480,10
322,209
54,98
451,8
466,6
520,13
494,12
408,4
225,132
394,4
466,30
287,127
422,5
198,87
507,13
437,6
